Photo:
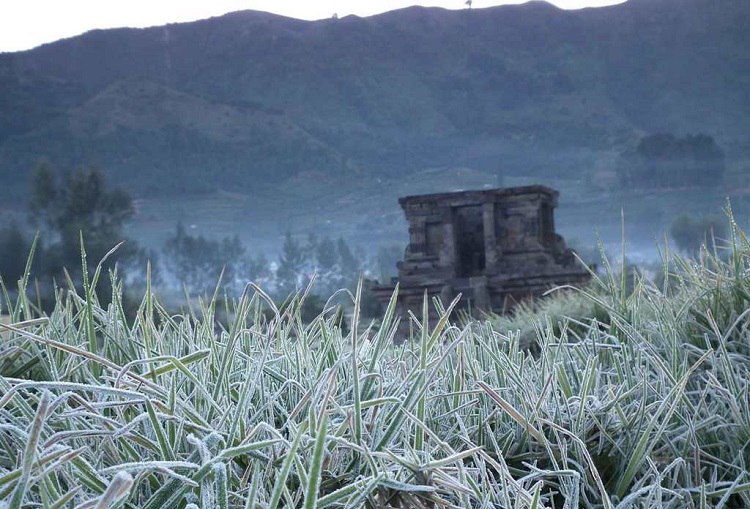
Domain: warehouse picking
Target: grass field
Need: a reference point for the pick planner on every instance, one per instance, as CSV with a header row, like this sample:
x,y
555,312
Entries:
x,y
621,395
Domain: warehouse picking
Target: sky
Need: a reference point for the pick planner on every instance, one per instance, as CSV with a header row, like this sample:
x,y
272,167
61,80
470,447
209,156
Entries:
x,y
25,24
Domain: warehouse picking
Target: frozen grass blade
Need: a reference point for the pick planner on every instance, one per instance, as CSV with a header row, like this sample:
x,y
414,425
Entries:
x,y
89,323
316,462
30,452
634,393
356,393
647,442
117,489
286,467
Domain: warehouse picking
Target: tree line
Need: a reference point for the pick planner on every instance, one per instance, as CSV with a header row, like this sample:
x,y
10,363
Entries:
x,y
75,210
77,217
665,160
196,263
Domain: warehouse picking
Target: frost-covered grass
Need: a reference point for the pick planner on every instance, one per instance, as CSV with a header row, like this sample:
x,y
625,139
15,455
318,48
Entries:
x,y
645,405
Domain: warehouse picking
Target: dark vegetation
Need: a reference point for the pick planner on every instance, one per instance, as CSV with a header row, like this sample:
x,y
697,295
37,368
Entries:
x,y
198,263
76,213
690,233
76,209
664,161
13,252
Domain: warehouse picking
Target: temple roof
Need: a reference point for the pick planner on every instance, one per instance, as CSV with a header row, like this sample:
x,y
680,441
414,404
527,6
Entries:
x,y
479,195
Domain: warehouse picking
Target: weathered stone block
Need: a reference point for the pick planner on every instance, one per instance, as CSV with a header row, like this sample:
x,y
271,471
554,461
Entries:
x,y
496,247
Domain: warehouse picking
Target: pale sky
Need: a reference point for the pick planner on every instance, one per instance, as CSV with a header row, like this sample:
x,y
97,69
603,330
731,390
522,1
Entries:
x,y
25,24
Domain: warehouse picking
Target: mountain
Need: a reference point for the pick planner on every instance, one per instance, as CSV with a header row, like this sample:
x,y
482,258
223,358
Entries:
x,y
250,100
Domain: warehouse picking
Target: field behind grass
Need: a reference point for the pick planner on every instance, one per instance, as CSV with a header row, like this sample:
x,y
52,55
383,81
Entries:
x,y
624,394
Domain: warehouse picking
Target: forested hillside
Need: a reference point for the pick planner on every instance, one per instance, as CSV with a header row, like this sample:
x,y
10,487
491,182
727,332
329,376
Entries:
x,y
251,99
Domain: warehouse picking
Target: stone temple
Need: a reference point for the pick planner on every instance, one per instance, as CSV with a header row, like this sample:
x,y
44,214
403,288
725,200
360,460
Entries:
x,y
496,247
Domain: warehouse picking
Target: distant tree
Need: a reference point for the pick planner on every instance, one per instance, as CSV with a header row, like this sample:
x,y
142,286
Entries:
x,y
312,243
231,254
197,262
258,270
14,250
310,250
43,196
349,266
289,272
326,255
663,160
80,205
334,263
326,266
347,261
386,259
690,233
86,206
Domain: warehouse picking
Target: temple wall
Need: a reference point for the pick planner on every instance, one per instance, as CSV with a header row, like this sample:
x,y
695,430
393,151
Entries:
x,y
495,247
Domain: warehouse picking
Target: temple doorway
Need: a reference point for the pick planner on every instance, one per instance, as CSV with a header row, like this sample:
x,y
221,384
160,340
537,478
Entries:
x,y
469,237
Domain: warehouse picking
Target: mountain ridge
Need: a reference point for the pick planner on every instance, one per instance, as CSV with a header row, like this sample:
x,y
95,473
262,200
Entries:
x,y
510,86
